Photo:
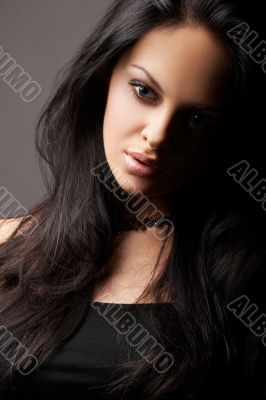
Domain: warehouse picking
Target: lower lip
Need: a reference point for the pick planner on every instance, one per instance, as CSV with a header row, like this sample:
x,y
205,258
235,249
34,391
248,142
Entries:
x,y
138,168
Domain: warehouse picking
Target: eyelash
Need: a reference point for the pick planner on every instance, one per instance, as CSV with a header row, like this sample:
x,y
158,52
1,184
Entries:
x,y
136,84
209,120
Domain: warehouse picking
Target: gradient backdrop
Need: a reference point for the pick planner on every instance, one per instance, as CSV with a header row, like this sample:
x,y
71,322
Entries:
x,y
41,36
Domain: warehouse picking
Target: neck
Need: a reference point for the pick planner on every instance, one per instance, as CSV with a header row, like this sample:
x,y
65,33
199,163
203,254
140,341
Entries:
x,y
157,208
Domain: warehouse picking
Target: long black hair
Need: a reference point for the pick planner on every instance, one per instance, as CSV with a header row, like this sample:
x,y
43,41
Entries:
x,y
50,269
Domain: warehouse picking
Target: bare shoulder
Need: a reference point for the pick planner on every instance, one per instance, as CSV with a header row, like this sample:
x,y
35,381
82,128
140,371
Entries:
x,y
7,227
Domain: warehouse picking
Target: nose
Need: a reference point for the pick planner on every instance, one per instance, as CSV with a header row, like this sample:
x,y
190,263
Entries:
x,y
161,129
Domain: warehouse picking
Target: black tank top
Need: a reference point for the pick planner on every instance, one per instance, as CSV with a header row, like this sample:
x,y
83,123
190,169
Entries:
x,y
86,362
89,360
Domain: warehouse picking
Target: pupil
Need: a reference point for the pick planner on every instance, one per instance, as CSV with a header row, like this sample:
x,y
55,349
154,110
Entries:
x,y
196,118
144,90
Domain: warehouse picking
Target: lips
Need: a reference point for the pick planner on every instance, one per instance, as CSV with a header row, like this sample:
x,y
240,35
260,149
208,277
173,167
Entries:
x,y
138,168
141,157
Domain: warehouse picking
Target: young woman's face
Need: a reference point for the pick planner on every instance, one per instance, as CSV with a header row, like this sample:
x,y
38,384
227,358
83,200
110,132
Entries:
x,y
177,122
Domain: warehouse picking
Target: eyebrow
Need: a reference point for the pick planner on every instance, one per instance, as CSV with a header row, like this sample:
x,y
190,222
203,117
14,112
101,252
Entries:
x,y
206,107
151,78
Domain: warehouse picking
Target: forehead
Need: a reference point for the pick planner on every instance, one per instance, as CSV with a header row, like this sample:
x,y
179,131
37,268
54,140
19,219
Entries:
x,y
186,58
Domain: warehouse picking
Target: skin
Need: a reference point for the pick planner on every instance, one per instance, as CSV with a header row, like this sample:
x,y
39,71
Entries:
x,y
192,68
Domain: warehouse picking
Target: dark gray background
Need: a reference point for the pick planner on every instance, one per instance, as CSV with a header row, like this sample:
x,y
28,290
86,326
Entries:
x,y
41,36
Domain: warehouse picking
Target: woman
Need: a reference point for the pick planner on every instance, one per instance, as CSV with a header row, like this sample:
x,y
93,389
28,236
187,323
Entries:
x,y
138,134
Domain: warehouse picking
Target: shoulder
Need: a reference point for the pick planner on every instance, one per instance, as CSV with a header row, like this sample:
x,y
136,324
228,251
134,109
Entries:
x,y
7,227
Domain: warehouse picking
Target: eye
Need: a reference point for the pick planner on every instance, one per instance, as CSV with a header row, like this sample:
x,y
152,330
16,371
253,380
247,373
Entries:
x,y
142,91
202,120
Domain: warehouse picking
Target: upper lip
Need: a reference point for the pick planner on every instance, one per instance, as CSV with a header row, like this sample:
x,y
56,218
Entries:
x,y
153,162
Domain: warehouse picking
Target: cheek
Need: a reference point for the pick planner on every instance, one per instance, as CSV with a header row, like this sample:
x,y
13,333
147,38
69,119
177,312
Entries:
x,y
121,117
189,147
189,159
